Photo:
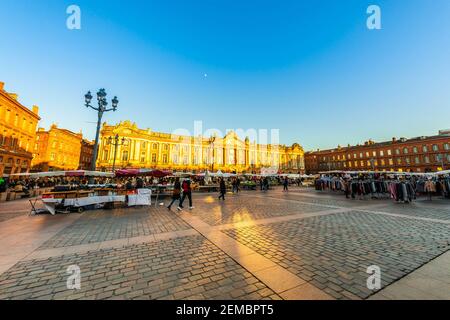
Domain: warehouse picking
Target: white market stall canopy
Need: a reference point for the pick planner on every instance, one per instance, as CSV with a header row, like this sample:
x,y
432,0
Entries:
x,y
73,173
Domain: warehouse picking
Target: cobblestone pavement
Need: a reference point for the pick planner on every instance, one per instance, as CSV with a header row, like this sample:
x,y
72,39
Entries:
x,y
104,225
302,244
417,210
333,252
239,208
182,268
326,198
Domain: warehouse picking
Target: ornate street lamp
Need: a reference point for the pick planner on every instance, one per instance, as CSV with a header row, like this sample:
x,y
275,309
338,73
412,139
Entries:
x,y
102,103
116,142
211,142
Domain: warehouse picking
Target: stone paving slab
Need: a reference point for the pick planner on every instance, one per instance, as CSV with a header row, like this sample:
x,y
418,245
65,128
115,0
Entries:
x,y
182,268
7,215
431,281
106,225
332,252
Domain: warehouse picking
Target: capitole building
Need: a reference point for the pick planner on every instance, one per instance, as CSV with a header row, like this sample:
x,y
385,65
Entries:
x,y
144,148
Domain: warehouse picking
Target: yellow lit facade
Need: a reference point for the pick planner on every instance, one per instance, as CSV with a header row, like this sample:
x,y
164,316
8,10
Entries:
x,y
147,149
17,133
57,149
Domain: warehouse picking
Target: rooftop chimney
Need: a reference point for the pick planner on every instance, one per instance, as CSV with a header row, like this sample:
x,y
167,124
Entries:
x,y
2,84
35,109
394,139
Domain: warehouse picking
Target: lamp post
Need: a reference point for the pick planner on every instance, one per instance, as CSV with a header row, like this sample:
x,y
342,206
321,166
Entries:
x,y
102,103
116,142
211,142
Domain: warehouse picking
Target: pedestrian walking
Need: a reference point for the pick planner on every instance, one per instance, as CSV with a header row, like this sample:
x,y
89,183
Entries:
x,y
176,194
285,184
222,189
187,192
266,184
238,185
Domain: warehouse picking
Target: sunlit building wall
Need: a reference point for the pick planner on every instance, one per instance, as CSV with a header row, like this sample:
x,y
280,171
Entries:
x,y
17,133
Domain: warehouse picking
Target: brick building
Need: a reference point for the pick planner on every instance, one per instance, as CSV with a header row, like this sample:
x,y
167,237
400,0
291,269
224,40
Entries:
x,y
17,133
87,149
420,154
56,149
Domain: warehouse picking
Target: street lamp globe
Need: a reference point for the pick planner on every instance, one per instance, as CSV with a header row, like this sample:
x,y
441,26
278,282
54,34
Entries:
x,y
88,98
115,102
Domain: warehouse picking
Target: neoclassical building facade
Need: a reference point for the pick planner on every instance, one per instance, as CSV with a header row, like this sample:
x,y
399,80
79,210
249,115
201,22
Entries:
x,y
144,148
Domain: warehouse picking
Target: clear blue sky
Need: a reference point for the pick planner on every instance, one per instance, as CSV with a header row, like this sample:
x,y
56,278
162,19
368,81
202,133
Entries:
x,y
310,68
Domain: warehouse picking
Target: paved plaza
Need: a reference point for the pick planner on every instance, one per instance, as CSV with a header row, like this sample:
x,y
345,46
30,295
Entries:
x,y
256,245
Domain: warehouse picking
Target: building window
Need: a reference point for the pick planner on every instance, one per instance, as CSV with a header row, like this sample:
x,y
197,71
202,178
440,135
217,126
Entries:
x,y
407,160
155,146
397,151
435,147
165,158
154,158
415,150
125,155
399,161
391,162
417,160
389,152
427,159
405,150
425,149
381,153
360,155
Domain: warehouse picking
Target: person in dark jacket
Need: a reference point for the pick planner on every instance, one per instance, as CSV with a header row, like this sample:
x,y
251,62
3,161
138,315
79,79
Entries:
x,y
187,192
176,194
285,184
238,185
222,189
